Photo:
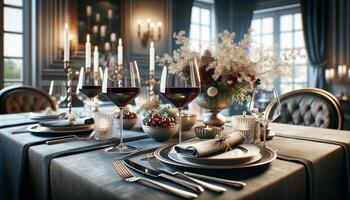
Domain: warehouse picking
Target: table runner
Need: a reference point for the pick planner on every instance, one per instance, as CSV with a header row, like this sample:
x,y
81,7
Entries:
x,y
344,146
323,162
309,171
13,150
40,158
320,135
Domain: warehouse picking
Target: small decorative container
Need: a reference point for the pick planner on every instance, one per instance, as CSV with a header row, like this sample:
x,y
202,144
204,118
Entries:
x,y
246,125
188,121
160,134
103,125
205,132
129,123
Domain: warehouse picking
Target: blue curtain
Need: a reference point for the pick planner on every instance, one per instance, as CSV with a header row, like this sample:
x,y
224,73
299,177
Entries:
x,y
234,15
181,17
314,17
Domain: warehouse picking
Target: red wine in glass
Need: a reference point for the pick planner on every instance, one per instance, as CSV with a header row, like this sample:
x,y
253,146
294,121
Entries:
x,y
181,96
121,96
91,90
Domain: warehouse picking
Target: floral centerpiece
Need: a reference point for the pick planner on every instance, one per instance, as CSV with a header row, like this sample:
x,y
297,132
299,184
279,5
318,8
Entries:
x,y
228,71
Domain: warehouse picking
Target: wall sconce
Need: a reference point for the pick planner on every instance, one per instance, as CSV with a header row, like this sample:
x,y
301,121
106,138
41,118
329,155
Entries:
x,y
149,34
342,71
330,74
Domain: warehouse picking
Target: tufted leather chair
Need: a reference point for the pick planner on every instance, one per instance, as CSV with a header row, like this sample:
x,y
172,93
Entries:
x,y
18,99
309,107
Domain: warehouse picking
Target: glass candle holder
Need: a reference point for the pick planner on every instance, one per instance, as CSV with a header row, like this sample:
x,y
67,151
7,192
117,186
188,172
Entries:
x,y
103,125
246,125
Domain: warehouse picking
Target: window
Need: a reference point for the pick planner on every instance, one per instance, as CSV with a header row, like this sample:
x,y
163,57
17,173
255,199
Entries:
x,y
284,28
12,33
201,33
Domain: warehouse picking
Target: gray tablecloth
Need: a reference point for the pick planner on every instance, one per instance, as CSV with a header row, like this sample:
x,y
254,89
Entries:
x,y
77,171
91,176
17,162
282,179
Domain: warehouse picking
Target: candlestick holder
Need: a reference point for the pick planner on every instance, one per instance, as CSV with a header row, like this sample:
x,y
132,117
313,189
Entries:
x,y
151,82
69,71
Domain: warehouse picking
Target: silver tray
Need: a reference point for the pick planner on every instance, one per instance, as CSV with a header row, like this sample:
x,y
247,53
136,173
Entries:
x,y
162,154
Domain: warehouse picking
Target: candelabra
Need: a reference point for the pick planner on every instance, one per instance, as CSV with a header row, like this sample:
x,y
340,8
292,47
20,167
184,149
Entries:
x,y
69,71
151,82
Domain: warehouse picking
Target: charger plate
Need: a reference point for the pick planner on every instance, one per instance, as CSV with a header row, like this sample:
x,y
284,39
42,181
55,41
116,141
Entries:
x,y
42,116
44,130
241,154
162,154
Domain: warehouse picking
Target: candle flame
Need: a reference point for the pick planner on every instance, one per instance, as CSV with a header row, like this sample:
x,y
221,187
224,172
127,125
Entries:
x,y
152,25
152,45
148,20
138,22
70,36
96,49
120,41
88,38
160,24
66,25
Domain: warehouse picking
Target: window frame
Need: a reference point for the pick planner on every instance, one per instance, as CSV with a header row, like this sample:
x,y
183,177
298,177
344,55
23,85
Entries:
x,y
276,13
26,37
205,5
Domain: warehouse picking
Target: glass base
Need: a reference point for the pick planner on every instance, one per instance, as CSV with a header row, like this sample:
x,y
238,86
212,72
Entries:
x,y
122,149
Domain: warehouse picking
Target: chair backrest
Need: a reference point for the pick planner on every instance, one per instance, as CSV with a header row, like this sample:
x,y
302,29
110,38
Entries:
x,y
16,99
309,107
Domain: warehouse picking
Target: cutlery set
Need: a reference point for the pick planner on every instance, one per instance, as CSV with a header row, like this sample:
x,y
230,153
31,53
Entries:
x,y
191,181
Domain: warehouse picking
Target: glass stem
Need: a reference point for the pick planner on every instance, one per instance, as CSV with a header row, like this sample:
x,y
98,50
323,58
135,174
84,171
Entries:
x,y
180,126
265,126
121,117
91,105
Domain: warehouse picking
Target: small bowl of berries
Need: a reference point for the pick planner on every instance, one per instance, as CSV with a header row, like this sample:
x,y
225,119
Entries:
x,y
129,119
160,125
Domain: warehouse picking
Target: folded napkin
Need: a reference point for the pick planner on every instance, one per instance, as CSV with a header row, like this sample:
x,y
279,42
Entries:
x,y
201,147
66,122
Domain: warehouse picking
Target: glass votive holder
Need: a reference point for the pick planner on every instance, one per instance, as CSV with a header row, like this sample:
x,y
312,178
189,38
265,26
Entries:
x,y
246,125
103,125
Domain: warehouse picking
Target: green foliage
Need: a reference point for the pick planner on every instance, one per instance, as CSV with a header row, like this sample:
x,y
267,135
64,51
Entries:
x,y
12,69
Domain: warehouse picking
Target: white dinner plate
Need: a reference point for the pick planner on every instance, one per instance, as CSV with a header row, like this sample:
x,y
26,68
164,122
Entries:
x,y
244,153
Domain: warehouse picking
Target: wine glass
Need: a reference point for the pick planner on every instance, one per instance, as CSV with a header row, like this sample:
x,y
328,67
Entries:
x,y
89,84
121,87
180,89
58,90
258,104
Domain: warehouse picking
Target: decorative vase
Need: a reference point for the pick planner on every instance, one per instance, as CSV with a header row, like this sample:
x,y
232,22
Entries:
x,y
214,100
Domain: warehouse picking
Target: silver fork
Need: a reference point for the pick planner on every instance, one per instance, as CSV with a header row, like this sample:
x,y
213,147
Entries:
x,y
125,174
152,160
70,138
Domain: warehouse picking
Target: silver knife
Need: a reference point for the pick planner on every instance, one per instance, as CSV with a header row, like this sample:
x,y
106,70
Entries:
x,y
152,173
233,183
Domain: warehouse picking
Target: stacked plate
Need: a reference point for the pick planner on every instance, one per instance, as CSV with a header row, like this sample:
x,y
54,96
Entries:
x,y
51,128
242,156
46,115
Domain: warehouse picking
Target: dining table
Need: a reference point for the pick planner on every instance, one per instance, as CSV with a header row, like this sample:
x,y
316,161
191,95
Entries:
x,y
311,163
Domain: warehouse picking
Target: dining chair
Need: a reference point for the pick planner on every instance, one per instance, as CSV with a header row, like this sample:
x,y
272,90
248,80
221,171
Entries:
x,y
17,99
309,107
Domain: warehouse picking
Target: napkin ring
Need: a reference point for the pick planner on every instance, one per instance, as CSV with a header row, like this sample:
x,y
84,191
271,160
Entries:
x,y
222,139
